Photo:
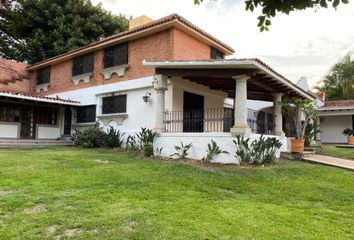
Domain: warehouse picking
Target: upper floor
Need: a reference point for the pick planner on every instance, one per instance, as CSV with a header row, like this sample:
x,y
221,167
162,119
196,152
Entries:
x,y
121,56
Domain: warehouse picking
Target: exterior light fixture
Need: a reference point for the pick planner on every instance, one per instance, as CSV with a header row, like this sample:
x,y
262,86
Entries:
x,y
146,97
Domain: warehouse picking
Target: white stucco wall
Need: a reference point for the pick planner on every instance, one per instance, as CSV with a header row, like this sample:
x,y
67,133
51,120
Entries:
x,y
167,141
9,130
48,132
332,127
139,113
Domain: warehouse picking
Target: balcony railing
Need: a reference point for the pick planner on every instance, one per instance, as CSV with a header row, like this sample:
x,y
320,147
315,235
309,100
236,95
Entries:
x,y
215,120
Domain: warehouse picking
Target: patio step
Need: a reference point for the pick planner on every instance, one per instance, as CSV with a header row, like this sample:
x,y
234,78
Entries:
x,y
289,155
34,142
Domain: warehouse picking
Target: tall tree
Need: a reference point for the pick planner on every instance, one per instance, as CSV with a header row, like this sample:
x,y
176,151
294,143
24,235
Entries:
x,y
271,7
338,84
34,30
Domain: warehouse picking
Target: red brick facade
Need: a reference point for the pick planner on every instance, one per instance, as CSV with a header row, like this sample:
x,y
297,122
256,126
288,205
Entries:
x,y
170,44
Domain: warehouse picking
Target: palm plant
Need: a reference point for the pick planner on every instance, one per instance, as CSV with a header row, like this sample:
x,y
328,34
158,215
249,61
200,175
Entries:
x,y
295,109
338,84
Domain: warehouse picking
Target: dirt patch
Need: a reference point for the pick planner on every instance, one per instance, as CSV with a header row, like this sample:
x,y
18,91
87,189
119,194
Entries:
x,y
129,226
102,161
52,229
72,232
3,193
36,209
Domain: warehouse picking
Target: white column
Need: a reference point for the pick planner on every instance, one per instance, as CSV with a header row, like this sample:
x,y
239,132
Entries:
x,y
160,86
278,117
240,124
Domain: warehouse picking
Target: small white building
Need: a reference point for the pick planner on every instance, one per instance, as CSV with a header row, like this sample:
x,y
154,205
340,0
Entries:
x,y
335,116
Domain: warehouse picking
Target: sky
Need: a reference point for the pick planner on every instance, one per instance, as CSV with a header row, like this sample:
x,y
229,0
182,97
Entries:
x,y
304,43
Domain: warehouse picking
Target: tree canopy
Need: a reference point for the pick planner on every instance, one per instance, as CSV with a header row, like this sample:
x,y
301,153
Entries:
x,y
34,30
338,84
271,7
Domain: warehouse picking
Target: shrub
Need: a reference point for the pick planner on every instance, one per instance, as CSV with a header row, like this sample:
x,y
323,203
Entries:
x,y
213,151
348,132
131,143
310,133
143,141
114,138
181,151
146,141
89,138
260,151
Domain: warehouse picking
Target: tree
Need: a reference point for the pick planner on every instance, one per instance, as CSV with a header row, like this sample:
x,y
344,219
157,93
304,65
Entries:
x,y
271,7
34,30
338,84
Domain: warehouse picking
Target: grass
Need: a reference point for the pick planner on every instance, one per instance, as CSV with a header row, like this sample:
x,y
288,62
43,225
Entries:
x,y
332,150
59,193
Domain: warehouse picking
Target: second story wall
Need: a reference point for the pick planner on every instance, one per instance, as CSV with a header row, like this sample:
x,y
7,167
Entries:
x,y
185,47
170,44
153,47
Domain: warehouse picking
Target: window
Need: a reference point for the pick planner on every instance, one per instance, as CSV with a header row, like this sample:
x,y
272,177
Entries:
x,y
216,54
43,76
46,115
115,104
86,114
9,113
116,55
83,64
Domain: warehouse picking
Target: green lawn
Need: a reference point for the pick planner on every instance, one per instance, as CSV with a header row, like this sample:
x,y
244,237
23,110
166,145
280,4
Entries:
x,y
59,193
332,150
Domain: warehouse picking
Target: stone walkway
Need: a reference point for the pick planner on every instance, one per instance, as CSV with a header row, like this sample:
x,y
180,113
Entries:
x,y
332,161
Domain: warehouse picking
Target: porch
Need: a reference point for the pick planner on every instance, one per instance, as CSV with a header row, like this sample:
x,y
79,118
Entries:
x,y
34,118
191,96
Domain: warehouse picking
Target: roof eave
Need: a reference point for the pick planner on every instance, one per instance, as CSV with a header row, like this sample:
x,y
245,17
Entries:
x,y
227,63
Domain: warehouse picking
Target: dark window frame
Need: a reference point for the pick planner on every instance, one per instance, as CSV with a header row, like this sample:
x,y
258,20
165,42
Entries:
x,y
46,115
86,114
114,104
116,55
43,76
216,53
83,64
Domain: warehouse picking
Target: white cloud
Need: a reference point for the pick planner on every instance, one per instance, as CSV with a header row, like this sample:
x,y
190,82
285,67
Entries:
x,y
305,43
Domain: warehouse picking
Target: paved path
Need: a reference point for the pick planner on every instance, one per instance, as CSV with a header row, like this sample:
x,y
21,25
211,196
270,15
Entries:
x,y
332,161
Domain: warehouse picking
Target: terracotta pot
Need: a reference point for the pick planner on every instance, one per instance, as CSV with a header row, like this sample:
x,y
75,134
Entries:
x,y
351,140
297,145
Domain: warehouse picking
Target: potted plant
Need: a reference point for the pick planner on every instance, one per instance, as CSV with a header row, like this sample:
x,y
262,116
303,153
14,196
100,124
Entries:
x,y
301,112
350,134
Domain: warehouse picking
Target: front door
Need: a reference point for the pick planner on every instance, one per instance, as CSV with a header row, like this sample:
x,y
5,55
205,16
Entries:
x,y
67,121
193,112
28,125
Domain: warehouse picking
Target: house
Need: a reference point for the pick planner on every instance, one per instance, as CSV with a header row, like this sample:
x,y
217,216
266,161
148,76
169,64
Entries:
x,y
168,75
335,116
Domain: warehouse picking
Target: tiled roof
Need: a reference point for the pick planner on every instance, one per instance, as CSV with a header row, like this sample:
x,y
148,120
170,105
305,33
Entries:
x,y
151,24
11,71
340,104
38,98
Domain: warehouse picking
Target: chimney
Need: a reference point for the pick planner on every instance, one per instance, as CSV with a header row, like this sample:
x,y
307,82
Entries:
x,y
322,96
136,22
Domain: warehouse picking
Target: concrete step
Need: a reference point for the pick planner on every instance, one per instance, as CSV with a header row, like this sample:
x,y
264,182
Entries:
x,y
34,143
289,155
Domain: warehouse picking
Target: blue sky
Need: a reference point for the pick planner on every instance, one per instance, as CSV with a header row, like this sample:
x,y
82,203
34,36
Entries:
x,y
305,43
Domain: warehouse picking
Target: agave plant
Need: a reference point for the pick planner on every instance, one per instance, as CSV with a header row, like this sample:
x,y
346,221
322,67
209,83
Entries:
x,y
181,151
213,151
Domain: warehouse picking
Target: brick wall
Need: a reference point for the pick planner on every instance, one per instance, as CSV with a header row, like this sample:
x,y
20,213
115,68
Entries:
x,y
185,47
166,45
